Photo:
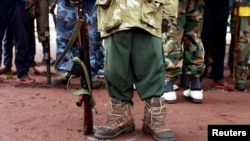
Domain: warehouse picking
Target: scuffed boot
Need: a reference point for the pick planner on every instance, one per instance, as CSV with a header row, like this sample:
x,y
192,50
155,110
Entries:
x,y
154,120
119,121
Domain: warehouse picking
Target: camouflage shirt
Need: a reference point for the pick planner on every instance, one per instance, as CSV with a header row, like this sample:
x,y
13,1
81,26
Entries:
x,y
118,15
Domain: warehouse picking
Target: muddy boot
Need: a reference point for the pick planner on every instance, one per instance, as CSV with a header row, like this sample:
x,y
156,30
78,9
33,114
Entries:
x,y
154,120
119,120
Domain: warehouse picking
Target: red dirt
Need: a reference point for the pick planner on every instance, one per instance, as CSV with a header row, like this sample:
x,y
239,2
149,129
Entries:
x,y
45,113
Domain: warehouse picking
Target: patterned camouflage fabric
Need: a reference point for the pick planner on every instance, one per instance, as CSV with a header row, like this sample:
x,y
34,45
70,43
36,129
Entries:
x,y
243,51
133,13
66,19
243,45
182,43
65,22
95,42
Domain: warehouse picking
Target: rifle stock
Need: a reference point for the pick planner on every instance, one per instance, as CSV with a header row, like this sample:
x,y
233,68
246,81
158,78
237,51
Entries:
x,y
83,47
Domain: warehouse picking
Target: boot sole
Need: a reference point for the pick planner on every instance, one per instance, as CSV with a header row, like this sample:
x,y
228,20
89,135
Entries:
x,y
128,129
147,131
170,101
198,101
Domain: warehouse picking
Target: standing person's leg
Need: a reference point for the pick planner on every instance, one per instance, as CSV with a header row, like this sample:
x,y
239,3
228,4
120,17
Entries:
x,y
173,53
193,49
18,21
206,34
149,81
128,68
96,53
125,65
65,22
119,82
8,46
4,9
243,54
220,15
32,46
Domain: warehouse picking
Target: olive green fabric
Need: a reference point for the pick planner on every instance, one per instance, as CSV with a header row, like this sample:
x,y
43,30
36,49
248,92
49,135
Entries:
x,y
128,55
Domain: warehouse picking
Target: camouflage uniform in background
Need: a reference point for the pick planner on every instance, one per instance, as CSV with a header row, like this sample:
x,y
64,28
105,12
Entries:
x,y
65,22
243,50
66,19
183,46
96,50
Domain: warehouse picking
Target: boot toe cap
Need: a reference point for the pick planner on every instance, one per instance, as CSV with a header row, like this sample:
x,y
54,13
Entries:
x,y
170,97
165,136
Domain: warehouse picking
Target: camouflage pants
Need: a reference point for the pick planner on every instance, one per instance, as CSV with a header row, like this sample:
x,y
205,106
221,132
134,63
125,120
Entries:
x,y
66,19
95,42
243,51
65,22
183,46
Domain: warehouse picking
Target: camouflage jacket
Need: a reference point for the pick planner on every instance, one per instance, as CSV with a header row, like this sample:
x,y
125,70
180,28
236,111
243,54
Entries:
x,y
118,15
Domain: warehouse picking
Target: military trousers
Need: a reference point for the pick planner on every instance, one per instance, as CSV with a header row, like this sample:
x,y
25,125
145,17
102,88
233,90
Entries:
x,y
133,57
243,51
183,47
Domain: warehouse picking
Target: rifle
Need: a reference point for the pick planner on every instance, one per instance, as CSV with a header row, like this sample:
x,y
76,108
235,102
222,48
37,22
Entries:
x,y
235,38
47,47
82,66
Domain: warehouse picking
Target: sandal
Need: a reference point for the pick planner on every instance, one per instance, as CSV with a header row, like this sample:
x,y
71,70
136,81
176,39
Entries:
x,y
224,85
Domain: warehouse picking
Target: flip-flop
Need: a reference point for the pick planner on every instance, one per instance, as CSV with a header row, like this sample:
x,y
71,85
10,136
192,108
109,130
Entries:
x,y
224,85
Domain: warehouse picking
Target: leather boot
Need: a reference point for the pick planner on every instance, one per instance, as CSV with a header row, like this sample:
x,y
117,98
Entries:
x,y
119,121
154,120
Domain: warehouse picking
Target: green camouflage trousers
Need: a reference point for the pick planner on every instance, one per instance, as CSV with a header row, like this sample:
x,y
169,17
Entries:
x,y
182,43
243,51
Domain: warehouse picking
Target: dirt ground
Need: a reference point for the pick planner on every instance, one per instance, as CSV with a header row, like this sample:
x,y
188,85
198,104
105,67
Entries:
x,y
45,113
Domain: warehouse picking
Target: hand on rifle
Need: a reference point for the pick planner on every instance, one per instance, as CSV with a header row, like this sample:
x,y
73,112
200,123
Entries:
x,y
237,2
